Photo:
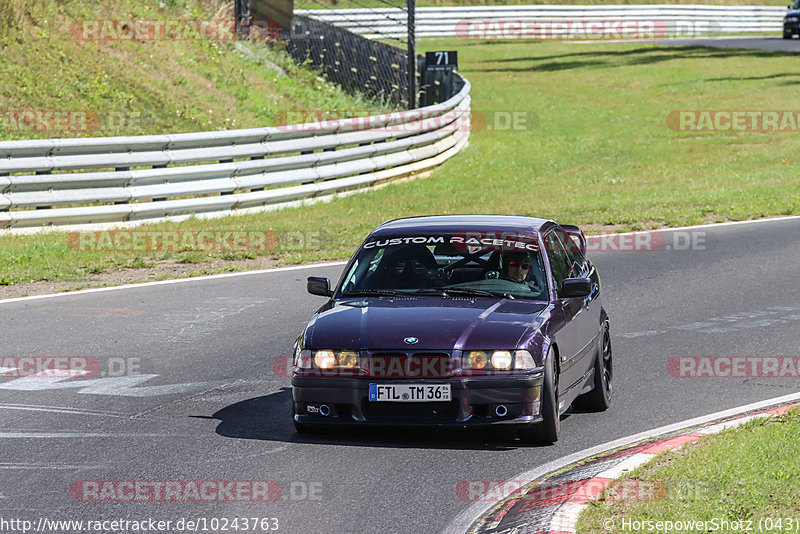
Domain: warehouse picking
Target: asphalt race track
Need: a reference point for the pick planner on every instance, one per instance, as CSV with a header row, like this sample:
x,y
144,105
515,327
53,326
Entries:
x,y
206,404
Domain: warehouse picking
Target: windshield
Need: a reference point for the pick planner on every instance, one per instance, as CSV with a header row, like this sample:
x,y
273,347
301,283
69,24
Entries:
x,y
485,264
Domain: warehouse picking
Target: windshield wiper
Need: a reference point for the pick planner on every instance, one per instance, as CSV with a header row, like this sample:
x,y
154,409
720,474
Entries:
x,y
377,292
430,291
443,292
475,292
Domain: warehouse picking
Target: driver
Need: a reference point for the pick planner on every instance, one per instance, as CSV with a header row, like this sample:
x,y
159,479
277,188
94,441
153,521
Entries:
x,y
515,266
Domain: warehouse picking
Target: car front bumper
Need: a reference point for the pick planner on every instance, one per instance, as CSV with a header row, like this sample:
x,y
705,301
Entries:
x,y
791,27
474,402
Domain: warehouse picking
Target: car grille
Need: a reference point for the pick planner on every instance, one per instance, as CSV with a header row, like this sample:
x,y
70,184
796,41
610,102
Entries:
x,y
410,411
410,365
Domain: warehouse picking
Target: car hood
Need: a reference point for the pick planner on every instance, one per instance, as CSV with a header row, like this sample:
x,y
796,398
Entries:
x,y
792,14
437,323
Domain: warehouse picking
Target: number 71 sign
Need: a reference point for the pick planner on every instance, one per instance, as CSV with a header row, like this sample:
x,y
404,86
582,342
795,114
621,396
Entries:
x,y
441,60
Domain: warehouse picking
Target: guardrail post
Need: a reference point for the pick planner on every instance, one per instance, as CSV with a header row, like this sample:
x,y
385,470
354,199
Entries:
x,y
121,169
225,192
1,175
159,199
40,173
258,188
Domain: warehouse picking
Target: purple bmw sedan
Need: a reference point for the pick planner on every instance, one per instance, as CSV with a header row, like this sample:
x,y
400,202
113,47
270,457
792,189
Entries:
x,y
459,320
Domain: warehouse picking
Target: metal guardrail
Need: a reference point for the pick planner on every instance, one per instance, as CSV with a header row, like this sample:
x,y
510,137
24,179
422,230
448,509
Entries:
x,y
671,20
118,179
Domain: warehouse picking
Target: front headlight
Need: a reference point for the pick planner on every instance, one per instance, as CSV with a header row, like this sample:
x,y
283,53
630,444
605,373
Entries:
x,y
476,359
348,359
499,360
326,359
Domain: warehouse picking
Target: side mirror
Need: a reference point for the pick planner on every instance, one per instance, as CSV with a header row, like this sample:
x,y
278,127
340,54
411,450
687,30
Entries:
x,y
319,285
576,287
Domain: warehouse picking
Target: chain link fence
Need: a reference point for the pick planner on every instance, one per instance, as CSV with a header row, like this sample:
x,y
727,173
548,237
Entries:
x,y
376,65
376,69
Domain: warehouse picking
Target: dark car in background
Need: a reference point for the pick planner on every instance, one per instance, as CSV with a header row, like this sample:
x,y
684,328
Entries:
x,y
791,21
460,320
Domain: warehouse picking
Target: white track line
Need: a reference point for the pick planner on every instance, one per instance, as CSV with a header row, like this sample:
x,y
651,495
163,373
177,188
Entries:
x,y
463,521
337,263
55,409
79,435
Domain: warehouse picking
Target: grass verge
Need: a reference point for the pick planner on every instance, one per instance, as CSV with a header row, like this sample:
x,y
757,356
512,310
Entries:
x,y
144,85
574,132
735,480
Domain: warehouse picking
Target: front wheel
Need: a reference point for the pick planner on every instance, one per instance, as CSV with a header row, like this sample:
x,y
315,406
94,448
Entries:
x,y
549,429
787,35
599,398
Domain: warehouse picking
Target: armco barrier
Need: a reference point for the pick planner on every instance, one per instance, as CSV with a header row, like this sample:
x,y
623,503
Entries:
x,y
120,179
674,20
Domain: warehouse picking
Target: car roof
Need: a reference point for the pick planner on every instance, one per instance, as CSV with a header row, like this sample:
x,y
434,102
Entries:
x,y
462,223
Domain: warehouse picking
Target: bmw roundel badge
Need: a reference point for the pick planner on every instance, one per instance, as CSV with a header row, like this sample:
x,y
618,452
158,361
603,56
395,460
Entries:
x,y
411,340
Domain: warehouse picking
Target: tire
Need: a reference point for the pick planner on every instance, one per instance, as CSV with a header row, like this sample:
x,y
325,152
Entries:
x,y
548,430
300,428
599,398
787,35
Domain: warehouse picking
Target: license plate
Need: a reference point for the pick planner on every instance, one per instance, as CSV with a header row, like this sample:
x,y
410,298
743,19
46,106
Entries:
x,y
409,392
